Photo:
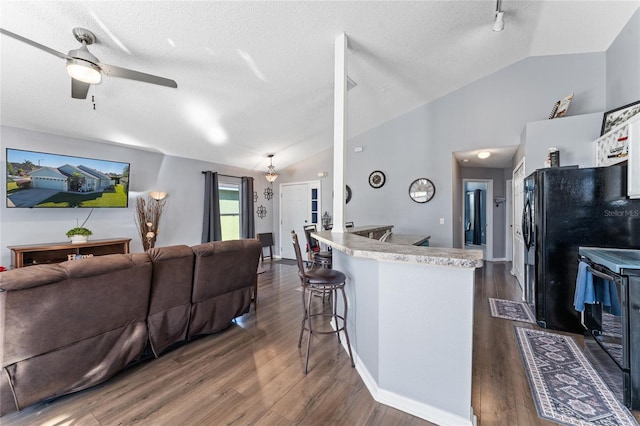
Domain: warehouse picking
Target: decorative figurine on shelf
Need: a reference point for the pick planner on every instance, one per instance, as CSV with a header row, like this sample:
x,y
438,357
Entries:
x,y
326,220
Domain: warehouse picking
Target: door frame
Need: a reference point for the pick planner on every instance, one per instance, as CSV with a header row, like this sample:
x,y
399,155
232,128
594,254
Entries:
x,y
518,245
508,226
488,213
283,235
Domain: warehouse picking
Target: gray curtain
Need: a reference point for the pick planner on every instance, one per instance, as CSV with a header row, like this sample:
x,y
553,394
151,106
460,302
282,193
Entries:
x,y
211,228
247,228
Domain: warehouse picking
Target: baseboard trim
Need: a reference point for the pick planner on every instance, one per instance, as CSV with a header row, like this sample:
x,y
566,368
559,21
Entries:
x,y
408,405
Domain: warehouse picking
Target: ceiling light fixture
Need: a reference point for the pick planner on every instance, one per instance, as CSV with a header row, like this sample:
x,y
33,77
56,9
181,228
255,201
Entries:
x,y
83,71
498,23
484,154
271,174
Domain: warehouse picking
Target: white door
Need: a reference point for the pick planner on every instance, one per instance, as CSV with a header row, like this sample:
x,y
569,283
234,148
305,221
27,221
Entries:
x,y
517,268
297,209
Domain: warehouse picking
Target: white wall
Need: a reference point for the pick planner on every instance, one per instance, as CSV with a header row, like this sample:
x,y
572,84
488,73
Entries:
x,y
181,178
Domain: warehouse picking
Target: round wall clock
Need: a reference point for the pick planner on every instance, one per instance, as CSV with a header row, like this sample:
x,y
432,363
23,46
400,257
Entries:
x,y
347,194
422,190
377,179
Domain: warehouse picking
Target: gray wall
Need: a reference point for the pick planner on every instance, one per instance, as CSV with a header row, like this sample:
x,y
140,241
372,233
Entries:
x,y
623,66
491,112
179,177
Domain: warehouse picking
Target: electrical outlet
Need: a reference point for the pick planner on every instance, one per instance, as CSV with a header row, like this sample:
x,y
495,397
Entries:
x,y
442,221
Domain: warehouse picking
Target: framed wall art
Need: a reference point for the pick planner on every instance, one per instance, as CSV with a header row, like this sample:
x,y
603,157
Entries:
x,y
618,116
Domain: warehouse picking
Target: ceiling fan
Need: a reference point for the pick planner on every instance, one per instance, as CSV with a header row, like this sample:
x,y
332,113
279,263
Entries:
x,y
85,69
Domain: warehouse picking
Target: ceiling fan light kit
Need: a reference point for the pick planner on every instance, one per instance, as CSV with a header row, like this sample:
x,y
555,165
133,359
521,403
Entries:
x,y
84,72
85,69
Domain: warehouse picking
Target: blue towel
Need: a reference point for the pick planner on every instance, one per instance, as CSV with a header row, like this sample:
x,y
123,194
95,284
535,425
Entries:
x,y
607,294
584,288
598,290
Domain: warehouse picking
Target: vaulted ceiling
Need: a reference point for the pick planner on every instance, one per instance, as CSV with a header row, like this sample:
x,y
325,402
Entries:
x,y
256,77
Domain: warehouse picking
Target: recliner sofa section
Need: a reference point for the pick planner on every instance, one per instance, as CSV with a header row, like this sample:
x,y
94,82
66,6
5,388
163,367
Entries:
x,y
69,326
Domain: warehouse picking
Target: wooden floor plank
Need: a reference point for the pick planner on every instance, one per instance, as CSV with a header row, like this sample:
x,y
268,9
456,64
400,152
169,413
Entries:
x,y
251,373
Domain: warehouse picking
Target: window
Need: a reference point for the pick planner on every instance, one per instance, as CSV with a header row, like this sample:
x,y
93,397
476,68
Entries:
x,y
229,210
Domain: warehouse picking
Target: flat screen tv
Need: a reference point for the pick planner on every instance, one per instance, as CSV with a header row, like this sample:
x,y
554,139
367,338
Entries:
x,y
39,179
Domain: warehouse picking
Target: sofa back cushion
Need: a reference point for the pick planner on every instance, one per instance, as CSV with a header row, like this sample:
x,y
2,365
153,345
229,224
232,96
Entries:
x,y
170,304
52,306
224,266
224,274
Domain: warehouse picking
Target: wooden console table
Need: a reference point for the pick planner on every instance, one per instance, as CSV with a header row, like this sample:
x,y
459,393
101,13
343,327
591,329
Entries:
x,y
36,254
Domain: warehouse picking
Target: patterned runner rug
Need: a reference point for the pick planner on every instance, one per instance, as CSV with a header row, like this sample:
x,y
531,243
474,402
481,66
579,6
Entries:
x,y
511,310
565,387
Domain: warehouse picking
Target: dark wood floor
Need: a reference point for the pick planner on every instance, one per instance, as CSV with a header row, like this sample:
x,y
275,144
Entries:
x,y
252,374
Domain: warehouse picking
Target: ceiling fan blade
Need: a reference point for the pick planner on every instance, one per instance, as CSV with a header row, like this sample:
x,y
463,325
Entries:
x,y
113,71
79,89
34,44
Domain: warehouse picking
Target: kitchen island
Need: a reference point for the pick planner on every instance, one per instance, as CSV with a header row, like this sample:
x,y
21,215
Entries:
x,y
410,320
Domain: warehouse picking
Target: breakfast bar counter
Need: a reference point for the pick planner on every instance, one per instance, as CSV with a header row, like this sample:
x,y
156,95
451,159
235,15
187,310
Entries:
x,y
410,319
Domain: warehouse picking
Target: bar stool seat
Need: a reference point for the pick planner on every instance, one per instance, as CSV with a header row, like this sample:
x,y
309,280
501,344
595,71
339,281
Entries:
x,y
322,282
322,258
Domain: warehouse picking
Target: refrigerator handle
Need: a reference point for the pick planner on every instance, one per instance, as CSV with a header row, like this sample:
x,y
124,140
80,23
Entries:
x,y
527,225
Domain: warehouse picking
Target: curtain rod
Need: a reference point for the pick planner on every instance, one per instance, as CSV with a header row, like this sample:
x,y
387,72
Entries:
x,y
220,174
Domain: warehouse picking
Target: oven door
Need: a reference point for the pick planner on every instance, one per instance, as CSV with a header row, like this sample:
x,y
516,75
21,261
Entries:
x,y
607,321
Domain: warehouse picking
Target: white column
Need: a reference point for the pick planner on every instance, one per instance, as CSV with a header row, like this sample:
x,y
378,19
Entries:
x,y
339,124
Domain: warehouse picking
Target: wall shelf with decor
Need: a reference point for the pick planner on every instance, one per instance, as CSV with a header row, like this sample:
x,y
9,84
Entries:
x,y
37,254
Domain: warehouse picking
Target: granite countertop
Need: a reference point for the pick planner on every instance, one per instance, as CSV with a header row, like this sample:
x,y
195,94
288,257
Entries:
x,y
407,239
358,246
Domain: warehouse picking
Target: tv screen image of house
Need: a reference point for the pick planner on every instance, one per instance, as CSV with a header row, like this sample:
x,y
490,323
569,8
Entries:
x,y
39,179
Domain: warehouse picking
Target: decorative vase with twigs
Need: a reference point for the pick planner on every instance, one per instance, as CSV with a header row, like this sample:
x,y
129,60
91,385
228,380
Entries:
x,y
148,213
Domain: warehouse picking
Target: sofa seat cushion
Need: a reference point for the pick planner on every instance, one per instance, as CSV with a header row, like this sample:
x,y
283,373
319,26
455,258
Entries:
x,y
76,367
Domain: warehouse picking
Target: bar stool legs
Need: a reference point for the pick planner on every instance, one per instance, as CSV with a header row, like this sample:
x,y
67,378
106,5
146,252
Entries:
x,y
321,281
340,321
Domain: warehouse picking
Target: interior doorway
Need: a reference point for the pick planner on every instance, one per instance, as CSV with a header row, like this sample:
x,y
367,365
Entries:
x,y
477,223
299,206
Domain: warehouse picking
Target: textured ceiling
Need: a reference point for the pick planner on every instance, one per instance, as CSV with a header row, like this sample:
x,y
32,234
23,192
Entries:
x,y
257,77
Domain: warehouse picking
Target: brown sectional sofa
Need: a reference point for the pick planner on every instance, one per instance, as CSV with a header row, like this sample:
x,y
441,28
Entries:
x,y
65,327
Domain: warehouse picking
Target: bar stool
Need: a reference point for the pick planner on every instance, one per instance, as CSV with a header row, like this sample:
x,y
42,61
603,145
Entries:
x,y
316,256
320,281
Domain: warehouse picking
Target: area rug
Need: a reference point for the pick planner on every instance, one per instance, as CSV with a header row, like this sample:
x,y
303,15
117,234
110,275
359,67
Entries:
x,y
511,310
566,388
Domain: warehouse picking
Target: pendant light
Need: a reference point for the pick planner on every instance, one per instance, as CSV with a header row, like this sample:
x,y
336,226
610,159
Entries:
x,y
271,174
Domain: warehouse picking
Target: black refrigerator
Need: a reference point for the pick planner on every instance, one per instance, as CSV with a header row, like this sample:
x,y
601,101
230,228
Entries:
x,y
564,208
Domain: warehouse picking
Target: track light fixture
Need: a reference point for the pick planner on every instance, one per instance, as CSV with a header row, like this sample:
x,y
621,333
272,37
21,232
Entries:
x,y
498,23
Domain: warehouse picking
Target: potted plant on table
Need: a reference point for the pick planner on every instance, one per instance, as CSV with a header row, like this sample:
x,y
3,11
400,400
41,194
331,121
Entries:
x,y
80,234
